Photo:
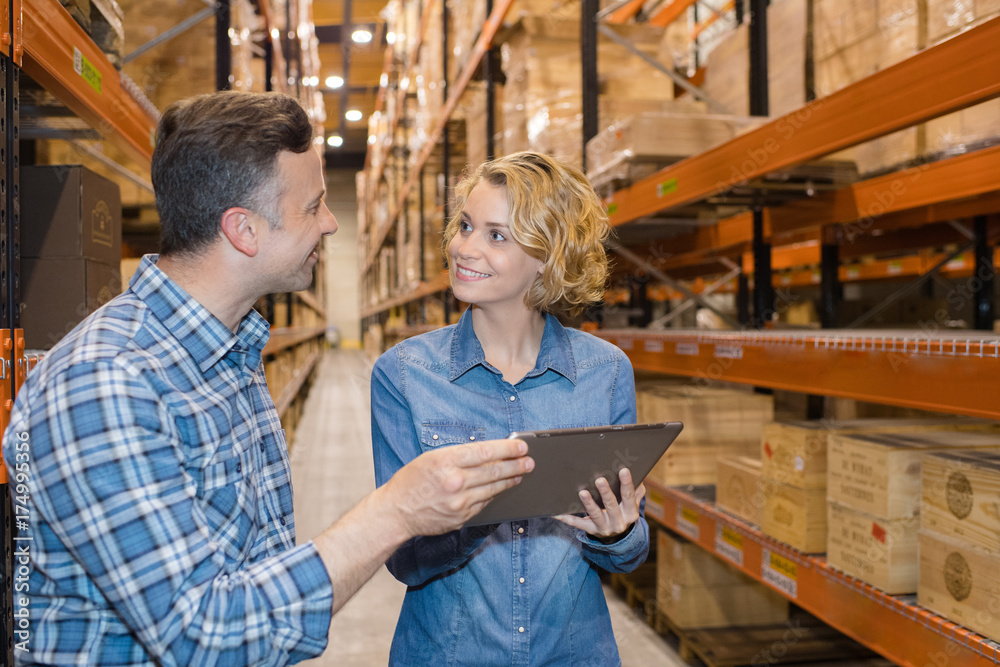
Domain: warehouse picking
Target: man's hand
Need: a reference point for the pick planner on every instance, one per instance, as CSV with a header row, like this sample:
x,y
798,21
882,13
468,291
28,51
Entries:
x,y
617,518
442,489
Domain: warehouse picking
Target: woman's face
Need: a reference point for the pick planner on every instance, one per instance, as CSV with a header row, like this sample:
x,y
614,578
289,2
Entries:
x,y
487,266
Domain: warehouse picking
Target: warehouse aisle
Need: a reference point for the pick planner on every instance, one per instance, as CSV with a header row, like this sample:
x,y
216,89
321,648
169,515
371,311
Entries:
x,y
332,470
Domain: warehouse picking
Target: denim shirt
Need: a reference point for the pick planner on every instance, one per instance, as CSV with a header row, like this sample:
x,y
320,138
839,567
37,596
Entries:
x,y
517,593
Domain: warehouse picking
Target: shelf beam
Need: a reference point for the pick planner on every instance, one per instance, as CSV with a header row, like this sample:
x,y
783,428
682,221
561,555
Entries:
x,y
439,284
51,37
893,626
927,368
282,339
934,82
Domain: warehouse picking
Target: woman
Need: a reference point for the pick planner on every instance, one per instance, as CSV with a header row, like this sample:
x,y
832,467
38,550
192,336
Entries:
x,y
524,244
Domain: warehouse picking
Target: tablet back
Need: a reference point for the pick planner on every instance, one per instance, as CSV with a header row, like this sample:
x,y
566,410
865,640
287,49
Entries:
x,y
568,460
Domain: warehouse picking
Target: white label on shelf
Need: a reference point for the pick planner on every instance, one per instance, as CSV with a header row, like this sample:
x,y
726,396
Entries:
x,y
729,351
780,572
956,264
77,61
625,343
895,268
800,465
729,544
687,349
653,345
687,521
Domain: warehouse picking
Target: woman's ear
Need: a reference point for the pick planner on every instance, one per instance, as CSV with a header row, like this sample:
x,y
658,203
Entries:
x,y
240,227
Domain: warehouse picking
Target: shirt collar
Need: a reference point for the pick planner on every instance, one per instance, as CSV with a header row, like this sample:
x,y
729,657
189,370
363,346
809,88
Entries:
x,y
200,332
554,354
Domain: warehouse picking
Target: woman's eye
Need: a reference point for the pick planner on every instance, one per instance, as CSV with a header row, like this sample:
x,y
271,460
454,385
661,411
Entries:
x,y
496,236
464,226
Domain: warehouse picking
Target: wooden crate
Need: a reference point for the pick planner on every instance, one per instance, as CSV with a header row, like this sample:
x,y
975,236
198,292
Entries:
x,y
960,582
880,552
696,590
960,497
795,452
880,474
717,422
737,489
794,515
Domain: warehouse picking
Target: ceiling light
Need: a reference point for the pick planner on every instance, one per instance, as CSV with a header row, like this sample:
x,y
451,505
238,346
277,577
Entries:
x,y
335,141
383,80
361,36
390,37
371,139
274,33
334,82
353,115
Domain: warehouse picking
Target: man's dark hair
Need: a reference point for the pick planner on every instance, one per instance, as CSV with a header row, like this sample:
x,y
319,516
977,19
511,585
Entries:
x,y
217,151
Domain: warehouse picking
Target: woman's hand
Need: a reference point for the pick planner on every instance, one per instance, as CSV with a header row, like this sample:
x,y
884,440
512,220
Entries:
x,y
608,524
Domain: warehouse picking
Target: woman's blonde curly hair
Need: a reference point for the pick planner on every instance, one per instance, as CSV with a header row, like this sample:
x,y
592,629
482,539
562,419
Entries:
x,y
557,218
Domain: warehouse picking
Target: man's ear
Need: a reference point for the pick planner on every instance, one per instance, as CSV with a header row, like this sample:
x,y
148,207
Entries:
x,y
239,226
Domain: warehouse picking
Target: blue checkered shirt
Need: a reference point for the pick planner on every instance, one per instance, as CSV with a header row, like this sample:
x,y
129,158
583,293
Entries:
x,y
159,520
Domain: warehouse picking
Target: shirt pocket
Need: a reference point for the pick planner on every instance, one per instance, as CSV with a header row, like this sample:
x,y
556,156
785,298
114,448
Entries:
x,y
229,500
439,434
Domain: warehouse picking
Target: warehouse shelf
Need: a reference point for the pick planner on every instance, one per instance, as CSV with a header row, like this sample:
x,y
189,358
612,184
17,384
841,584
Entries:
x,y
927,368
63,59
427,288
288,395
288,337
309,298
934,82
894,626
456,89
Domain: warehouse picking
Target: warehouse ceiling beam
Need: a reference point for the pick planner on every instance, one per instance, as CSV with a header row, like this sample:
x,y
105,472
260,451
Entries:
x,y
677,78
670,12
178,29
936,81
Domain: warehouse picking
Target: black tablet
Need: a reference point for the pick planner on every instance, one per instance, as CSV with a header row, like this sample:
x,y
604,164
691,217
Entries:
x,y
571,459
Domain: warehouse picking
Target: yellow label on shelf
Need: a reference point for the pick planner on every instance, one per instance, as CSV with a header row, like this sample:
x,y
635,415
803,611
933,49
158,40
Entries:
x,y
86,69
666,187
687,522
780,572
654,504
729,544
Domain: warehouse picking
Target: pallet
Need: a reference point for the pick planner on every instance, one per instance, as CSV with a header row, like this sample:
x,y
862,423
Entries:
x,y
638,588
802,639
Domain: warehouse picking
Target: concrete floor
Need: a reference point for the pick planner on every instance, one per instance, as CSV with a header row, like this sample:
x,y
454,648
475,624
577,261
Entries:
x,y
332,470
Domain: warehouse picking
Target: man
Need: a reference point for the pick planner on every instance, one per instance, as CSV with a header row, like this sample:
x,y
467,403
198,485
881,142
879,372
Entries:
x,y
158,512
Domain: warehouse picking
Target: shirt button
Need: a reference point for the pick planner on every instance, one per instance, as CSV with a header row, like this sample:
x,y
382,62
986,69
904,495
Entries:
x,y
239,467
472,437
434,437
520,531
262,446
513,398
521,629
282,520
521,580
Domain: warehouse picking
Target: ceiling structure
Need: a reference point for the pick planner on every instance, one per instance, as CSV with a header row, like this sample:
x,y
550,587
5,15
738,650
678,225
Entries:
x,y
358,64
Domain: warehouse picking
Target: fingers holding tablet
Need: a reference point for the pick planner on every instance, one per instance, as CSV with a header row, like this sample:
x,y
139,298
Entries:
x,y
616,517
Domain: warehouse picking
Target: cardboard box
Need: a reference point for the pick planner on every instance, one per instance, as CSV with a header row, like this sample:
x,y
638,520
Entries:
x,y
881,552
68,211
58,294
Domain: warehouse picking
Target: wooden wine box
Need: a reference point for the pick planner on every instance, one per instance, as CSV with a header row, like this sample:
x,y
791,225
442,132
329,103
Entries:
x,y
960,497
880,474
737,489
880,552
717,423
961,582
794,515
795,452
697,590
